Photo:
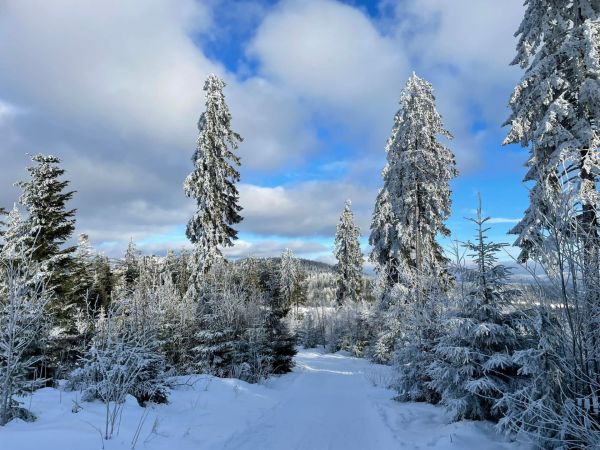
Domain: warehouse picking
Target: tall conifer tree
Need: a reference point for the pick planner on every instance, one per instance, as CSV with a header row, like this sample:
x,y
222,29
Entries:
x,y
415,199
212,182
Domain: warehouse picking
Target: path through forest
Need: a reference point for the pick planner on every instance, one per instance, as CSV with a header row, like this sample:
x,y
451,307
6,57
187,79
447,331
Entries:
x,y
333,403
329,402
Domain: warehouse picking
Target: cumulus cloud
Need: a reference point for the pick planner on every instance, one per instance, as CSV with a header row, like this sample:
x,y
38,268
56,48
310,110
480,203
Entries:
x,y
354,67
306,209
333,53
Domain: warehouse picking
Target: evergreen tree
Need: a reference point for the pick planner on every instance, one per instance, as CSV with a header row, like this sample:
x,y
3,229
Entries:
x,y
555,109
49,226
220,321
130,268
212,182
415,199
555,112
50,223
183,271
349,256
104,282
82,275
410,212
289,274
474,364
281,343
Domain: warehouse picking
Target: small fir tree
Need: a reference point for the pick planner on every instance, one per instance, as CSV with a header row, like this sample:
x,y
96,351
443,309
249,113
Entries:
x,y
474,364
537,406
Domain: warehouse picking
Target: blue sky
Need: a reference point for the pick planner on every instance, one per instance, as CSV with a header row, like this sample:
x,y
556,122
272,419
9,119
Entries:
x,y
115,90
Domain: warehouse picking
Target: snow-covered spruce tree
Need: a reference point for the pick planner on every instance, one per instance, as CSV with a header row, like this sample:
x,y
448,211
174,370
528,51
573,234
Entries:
x,y
555,112
349,256
223,308
537,405
414,202
82,274
410,212
220,321
212,182
49,223
104,282
129,267
289,277
183,271
241,327
474,365
23,327
264,277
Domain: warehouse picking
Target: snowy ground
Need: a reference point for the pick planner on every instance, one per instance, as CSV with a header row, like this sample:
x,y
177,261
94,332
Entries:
x,y
328,402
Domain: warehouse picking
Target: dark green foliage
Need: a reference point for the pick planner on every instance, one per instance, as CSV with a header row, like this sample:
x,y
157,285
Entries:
x,y
48,226
103,285
282,344
44,196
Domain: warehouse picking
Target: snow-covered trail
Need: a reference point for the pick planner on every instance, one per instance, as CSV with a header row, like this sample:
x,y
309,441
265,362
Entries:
x,y
329,402
329,405
333,404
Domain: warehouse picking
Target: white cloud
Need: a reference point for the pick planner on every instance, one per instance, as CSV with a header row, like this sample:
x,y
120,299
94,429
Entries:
x,y
129,65
333,54
352,68
493,220
306,209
